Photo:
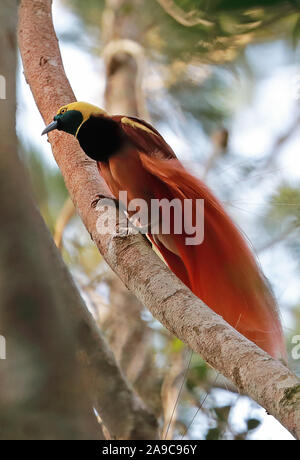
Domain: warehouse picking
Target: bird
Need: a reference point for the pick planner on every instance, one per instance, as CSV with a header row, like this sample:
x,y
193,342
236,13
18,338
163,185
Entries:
x,y
221,269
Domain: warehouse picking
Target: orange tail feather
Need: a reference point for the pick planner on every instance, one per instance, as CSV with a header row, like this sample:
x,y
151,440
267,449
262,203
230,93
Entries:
x,y
222,270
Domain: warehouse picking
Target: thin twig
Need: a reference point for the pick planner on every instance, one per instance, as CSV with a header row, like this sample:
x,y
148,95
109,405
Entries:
x,y
190,19
278,239
64,217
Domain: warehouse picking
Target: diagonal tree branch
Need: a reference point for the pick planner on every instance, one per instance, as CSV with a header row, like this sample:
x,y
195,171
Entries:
x,y
255,373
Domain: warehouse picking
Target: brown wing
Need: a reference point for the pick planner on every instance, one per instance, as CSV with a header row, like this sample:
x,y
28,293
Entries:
x,y
146,138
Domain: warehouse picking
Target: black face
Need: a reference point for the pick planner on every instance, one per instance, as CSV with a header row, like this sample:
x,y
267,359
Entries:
x,y
69,121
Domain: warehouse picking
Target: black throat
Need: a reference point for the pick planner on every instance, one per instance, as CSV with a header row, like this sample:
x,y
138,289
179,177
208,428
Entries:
x,y
100,138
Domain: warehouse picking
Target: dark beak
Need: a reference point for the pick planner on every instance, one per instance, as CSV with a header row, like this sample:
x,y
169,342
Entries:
x,y
50,127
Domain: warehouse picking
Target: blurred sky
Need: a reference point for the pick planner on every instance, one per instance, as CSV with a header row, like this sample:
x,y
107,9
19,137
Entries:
x,y
253,131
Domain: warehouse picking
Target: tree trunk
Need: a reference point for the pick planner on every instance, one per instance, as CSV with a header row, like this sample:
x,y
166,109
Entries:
x,y
38,398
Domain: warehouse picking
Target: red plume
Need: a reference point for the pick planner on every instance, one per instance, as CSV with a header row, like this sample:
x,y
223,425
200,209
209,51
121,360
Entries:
x,y
222,270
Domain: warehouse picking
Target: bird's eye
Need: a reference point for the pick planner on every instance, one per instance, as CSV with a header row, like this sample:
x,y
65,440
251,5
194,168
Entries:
x,y
63,111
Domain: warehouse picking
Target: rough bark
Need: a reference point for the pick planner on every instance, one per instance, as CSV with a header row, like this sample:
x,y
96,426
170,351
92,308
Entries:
x,y
255,373
121,411
38,398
